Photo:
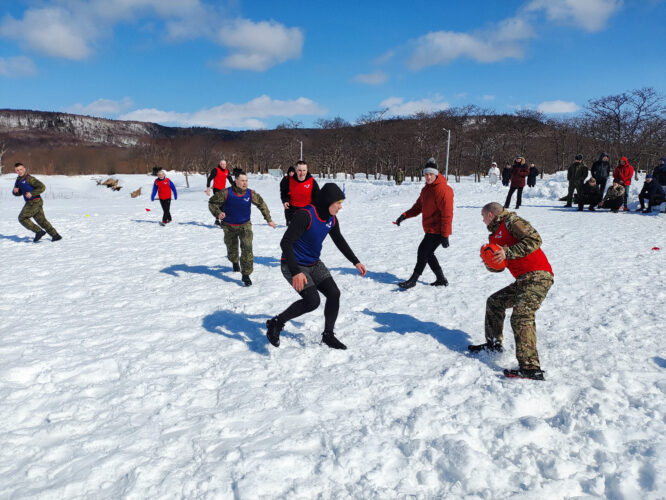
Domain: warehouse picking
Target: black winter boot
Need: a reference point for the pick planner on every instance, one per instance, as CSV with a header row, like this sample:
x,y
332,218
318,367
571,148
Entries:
x,y
38,235
534,374
410,283
331,341
274,328
56,237
491,346
236,267
246,280
440,279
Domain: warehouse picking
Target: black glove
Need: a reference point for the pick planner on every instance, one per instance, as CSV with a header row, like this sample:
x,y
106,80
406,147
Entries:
x,y
445,241
400,219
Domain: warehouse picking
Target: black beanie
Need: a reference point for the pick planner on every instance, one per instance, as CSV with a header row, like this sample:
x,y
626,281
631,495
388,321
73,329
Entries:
x,y
328,194
579,157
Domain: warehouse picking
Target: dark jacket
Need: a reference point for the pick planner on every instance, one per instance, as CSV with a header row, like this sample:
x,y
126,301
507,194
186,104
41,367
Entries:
x,y
506,175
577,173
532,177
589,193
518,173
600,168
659,173
651,189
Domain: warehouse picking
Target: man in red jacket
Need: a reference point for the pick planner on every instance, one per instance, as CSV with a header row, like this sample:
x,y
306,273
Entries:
x,y
299,191
519,171
520,246
436,204
624,172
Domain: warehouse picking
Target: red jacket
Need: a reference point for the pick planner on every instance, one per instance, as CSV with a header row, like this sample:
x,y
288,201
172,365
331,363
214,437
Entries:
x,y
536,261
436,204
518,174
624,173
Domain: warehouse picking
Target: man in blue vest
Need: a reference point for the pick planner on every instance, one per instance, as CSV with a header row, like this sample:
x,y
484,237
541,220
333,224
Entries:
x,y
231,207
31,189
301,267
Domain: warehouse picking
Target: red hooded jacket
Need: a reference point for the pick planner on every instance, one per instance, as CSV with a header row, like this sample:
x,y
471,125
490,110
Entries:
x,y
624,173
436,204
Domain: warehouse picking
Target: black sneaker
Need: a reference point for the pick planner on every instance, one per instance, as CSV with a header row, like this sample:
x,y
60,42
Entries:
x,y
38,235
535,374
274,328
487,347
440,282
236,267
331,341
56,237
246,280
410,283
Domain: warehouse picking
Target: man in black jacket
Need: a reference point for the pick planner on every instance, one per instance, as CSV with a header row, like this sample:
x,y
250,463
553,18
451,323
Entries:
x,y
301,267
601,171
653,192
589,195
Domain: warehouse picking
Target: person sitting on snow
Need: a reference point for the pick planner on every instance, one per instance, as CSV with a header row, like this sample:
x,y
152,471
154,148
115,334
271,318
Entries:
x,y
653,192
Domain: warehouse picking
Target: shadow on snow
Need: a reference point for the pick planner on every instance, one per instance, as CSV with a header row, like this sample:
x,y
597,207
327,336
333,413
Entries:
x,y
215,271
383,277
17,239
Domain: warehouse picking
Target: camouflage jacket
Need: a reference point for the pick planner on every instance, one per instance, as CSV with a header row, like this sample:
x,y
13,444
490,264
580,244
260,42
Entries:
x,y
577,173
528,238
217,200
614,192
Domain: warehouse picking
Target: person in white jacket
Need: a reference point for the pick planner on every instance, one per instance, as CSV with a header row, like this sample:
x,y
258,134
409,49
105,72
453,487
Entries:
x,y
493,173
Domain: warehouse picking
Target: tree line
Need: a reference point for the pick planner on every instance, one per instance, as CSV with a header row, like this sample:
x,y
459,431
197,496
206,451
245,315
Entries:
x,y
631,124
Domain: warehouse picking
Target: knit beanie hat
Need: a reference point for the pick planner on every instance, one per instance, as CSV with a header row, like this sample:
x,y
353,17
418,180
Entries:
x,y
431,167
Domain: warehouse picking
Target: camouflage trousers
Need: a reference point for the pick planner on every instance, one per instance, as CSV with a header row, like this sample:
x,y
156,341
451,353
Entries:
x,y
525,296
35,209
233,235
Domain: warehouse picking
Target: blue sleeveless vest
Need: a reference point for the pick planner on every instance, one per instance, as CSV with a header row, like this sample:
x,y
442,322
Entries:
x,y
25,187
237,207
308,247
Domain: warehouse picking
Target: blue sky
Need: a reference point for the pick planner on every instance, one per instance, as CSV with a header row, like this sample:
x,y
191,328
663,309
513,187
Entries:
x,y
254,64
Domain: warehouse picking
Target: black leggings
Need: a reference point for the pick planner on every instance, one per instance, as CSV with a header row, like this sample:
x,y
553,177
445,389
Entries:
x,y
166,205
519,200
426,254
310,301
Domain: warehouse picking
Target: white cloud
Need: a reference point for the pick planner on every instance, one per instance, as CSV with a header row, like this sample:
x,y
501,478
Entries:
x,y
230,115
384,58
102,107
488,97
259,45
70,29
591,15
398,107
485,46
375,78
17,66
558,106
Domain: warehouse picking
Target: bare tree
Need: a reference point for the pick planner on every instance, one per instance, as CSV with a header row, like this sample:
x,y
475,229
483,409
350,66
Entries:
x,y
3,150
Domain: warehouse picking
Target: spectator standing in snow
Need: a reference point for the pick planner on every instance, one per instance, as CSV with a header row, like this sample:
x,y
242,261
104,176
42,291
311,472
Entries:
x,y
231,207
652,192
163,188
399,176
436,204
659,172
624,171
614,196
519,172
31,189
219,177
300,191
493,173
284,187
301,248
532,176
576,175
601,171
589,195
506,174
521,248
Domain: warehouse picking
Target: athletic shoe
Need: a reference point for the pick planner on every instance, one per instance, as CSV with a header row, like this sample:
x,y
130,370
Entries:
x,y
535,374
331,341
440,282
410,283
38,235
274,328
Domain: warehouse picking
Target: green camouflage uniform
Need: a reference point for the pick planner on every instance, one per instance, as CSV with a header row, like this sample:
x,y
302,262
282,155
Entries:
x,y
576,175
525,295
613,193
34,209
242,233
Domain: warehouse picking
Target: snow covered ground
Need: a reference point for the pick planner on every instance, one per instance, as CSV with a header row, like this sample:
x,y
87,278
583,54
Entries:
x,y
133,364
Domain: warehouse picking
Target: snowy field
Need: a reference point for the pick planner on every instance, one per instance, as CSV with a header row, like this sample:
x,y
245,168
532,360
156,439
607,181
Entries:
x,y
134,364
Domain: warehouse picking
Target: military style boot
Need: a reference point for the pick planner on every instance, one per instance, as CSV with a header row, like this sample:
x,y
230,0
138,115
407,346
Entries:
x,y
38,235
246,280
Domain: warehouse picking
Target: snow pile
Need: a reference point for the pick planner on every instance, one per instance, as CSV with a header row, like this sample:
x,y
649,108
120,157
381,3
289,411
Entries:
x,y
134,364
